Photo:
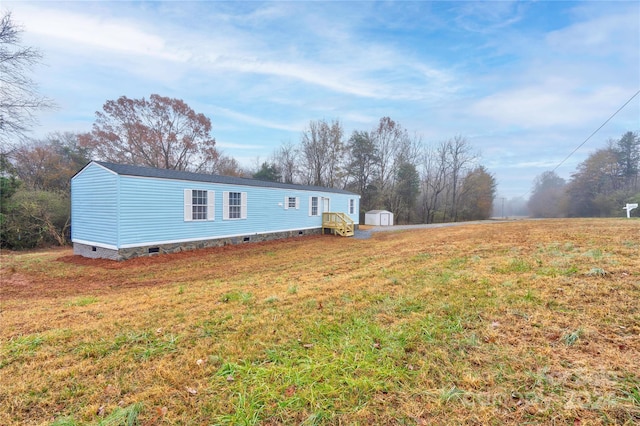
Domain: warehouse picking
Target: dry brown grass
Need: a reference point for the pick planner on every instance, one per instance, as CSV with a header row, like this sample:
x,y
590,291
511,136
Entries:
x,y
501,323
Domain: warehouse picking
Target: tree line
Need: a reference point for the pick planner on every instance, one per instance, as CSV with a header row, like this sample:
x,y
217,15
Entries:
x,y
600,186
390,169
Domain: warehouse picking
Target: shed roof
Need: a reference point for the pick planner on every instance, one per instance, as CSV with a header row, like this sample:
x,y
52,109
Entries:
x,y
129,170
377,211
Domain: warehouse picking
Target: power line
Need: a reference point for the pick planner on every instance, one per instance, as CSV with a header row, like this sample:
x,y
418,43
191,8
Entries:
x,y
596,131
590,136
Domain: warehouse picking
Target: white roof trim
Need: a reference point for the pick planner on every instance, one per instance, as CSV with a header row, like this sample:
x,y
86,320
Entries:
x,y
96,164
92,243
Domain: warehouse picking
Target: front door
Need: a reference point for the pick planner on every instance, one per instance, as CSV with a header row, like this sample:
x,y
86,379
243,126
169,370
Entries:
x,y
325,205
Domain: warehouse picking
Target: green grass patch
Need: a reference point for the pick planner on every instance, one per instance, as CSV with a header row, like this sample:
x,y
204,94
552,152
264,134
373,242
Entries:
x,y
121,416
332,367
570,338
134,345
517,265
83,301
20,348
595,253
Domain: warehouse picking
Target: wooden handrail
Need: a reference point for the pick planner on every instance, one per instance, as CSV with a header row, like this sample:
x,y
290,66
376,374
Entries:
x,y
338,222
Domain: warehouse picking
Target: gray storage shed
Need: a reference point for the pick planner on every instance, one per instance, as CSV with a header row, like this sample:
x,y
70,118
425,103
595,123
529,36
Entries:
x,y
378,218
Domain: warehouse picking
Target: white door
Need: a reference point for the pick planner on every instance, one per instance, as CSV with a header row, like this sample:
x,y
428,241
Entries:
x,y
325,205
384,219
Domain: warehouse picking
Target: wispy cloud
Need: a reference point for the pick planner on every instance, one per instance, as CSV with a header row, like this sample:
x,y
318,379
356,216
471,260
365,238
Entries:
x,y
109,35
599,36
487,17
556,102
238,146
313,74
248,119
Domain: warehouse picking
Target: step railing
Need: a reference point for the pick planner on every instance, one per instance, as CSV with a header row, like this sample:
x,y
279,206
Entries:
x,y
339,223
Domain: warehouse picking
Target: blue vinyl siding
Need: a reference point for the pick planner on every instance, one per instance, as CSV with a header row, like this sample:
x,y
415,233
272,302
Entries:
x,y
152,211
94,206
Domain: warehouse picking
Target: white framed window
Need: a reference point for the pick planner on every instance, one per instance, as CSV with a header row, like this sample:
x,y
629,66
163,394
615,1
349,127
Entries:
x,y
234,205
199,205
291,203
352,206
313,206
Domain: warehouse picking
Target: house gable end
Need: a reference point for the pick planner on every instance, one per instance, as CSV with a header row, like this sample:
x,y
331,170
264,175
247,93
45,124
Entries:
x,y
90,165
95,205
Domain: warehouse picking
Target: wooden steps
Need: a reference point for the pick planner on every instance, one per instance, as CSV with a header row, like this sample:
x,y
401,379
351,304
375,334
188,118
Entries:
x,y
338,223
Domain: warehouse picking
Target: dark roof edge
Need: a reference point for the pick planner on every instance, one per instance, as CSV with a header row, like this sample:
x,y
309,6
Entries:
x,y
140,171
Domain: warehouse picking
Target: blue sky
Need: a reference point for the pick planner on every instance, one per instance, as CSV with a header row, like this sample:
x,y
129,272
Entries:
x,y
524,82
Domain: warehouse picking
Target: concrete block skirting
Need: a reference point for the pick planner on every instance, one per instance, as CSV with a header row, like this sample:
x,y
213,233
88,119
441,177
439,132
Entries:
x,y
95,252
152,250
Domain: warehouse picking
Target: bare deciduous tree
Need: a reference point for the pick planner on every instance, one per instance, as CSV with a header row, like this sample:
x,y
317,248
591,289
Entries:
x,y
434,180
323,151
19,98
286,159
388,138
460,157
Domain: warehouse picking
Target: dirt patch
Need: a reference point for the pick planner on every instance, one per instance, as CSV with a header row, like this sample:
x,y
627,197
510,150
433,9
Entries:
x,y
145,261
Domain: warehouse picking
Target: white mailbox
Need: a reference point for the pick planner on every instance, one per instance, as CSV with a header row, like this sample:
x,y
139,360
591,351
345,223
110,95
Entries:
x,y
630,207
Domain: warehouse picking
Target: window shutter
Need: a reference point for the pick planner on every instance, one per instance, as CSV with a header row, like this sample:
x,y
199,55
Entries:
x,y
310,204
188,211
286,202
297,203
211,205
243,205
225,205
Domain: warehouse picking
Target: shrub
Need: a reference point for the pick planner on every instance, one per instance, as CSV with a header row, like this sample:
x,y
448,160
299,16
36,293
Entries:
x,y
34,219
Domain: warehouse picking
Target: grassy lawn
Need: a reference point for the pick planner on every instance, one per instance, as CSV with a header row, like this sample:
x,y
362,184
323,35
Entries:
x,y
501,323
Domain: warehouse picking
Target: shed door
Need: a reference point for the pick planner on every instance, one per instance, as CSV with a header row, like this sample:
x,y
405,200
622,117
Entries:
x,y
384,219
